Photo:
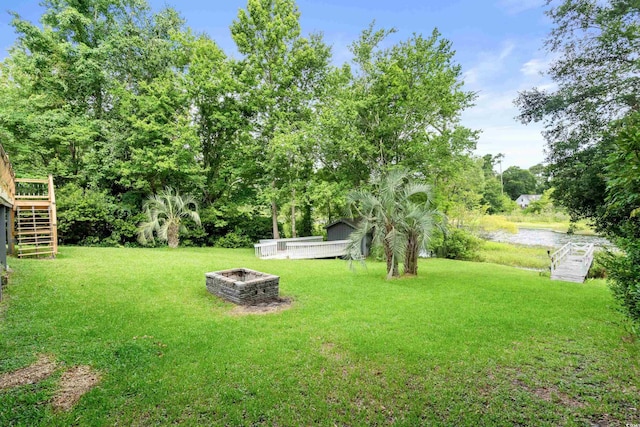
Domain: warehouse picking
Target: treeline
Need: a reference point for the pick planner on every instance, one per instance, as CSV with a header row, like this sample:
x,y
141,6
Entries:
x,y
118,102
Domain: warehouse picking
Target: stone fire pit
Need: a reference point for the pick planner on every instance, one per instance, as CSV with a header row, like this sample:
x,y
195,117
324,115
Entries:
x,y
243,286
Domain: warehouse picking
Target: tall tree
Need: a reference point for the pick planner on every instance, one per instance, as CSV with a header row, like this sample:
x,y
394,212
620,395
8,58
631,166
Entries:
x,y
396,106
596,73
518,181
221,119
282,72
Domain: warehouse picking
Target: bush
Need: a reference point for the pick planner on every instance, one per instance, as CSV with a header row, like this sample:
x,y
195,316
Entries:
x,y
217,223
459,244
234,240
598,269
624,278
90,217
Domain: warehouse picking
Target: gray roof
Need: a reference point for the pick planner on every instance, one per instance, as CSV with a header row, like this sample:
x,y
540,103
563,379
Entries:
x,y
350,222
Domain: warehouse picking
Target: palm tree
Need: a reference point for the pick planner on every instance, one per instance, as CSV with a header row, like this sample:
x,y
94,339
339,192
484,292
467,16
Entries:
x,y
401,226
165,211
418,224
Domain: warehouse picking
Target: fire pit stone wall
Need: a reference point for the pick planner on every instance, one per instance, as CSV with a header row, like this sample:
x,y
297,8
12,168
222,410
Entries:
x,y
243,286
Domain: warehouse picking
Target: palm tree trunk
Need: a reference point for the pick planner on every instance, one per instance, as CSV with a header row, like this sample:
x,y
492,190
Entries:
x,y
392,261
173,238
411,256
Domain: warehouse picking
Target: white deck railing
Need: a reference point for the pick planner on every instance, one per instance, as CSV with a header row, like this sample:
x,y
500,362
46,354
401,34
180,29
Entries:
x,y
282,243
586,252
300,248
307,250
558,256
266,250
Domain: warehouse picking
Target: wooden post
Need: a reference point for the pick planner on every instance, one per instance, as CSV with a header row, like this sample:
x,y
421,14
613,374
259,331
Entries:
x,y
54,219
10,228
3,236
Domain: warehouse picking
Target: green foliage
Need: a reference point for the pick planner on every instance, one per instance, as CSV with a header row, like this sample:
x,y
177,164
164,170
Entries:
x,y
543,205
90,217
282,75
399,215
121,102
235,239
623,272
460,244
601,261
518,181
164,213
596,45
217,222
541,174
622,216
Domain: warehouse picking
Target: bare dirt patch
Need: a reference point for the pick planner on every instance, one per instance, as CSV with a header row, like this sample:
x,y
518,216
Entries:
x,y
36,372
74,383
275,306
550,394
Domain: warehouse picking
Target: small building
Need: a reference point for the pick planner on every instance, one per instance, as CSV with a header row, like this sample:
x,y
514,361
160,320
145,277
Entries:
x,y
525,199
342,229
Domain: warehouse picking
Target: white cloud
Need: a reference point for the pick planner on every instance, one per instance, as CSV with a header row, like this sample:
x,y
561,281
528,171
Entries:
x,y
534,67
490,64
495,115
513,7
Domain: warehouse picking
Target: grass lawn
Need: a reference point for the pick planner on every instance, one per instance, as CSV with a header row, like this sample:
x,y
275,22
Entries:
x,y
461,344
524,256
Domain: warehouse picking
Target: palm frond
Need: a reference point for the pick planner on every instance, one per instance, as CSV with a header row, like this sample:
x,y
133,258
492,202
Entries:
x,y
165,210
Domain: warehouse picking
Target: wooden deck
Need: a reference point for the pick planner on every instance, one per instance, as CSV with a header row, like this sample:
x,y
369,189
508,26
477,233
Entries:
x,y
300,248
571,262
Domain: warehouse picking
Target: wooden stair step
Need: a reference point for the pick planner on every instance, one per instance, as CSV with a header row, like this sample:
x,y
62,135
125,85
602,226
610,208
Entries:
x,y
50,253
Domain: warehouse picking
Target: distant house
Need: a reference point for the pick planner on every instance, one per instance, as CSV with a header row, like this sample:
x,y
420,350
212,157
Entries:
x,y
525,199
342,229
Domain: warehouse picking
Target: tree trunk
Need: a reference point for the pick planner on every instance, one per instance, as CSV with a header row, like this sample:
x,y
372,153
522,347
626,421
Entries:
x,y
392,262
411,256
307,220
293,213
274,219
173,238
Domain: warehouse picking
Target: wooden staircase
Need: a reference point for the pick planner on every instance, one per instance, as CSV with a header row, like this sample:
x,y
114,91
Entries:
x,y
34,218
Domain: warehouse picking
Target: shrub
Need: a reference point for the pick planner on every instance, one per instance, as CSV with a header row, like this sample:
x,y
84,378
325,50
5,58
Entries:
x,y
598,269
234,240
91,217
623,272
218,222
459,244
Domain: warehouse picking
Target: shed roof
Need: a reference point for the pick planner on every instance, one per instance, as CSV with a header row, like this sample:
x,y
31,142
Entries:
x,y
350,222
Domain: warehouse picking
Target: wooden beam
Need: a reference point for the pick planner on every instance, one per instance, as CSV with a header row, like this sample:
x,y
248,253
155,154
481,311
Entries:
x,y
53,215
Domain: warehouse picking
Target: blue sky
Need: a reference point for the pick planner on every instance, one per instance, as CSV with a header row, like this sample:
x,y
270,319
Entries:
x,y
498,43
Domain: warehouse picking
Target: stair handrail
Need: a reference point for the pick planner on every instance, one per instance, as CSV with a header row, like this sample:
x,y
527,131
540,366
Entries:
x,y
559,255
33,195
587,258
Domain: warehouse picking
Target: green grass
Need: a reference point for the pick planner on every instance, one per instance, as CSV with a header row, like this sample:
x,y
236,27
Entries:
x,y
523,256
553,221
461,344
